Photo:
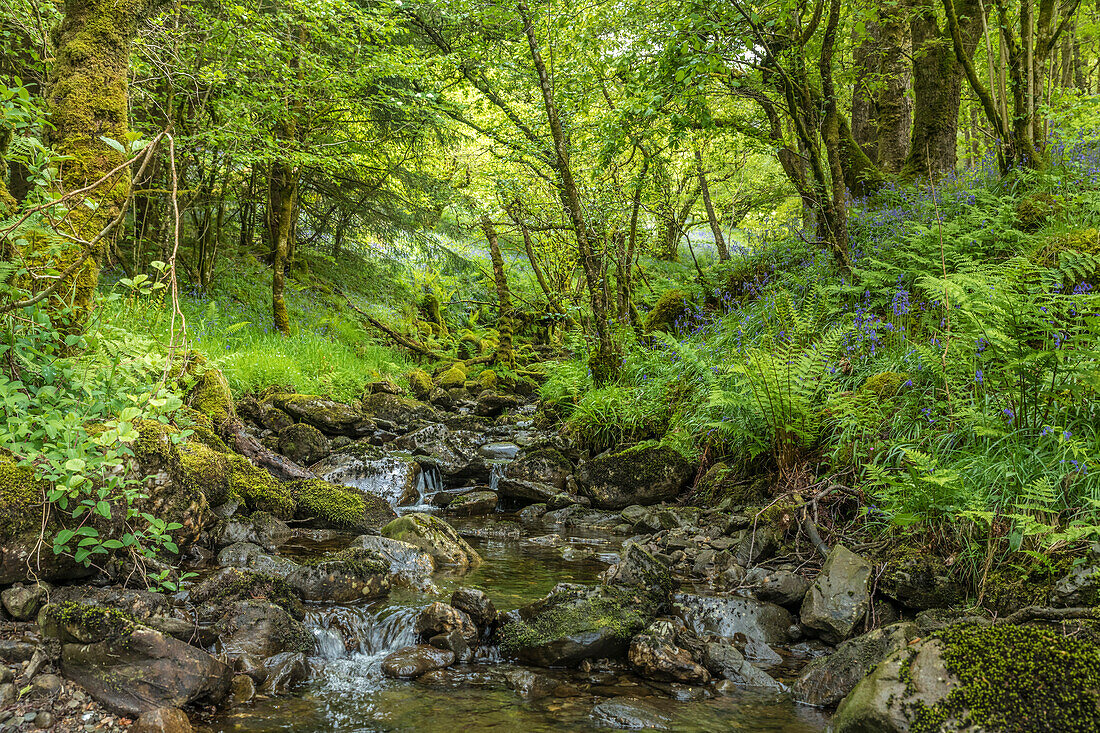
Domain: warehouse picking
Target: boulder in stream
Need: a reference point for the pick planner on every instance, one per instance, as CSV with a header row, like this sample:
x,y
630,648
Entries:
x,y
657,657
722,659
477,604
260,629
826,680
413,661
543,465
646,474
303,444
441,618
130,668
397,480
328,416
473,504
349,575
436,537
839,597
410,566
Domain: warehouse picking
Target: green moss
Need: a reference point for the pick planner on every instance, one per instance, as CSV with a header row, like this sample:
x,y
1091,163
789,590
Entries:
x,y
259,490
420,383
1016,679
670,306
20,498
487,379
885,385
1034,210
210,395
338,505
360,562
234,584
93,622
577,611
453,377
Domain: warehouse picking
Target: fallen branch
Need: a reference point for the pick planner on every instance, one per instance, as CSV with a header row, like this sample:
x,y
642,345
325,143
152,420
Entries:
x,y
408,343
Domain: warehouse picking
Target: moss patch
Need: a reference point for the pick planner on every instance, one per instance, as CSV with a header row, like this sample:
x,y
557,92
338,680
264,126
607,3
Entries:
x,y
339,505
453,377
20,498
671,306
420,383
1017,679
576,611
233,584
886,385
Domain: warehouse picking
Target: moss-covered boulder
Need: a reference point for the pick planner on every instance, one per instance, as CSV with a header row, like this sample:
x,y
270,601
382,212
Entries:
x,y
230,585
400,412
576,622
645,474
303,444
436,537
259,629
884,386
1034,210
1011,679
130,668
420,384
338,507
350,575
453,377
328,416
488,379
826,680
671,306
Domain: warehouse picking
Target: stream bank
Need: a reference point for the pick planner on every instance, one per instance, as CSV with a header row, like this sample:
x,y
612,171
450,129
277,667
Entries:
x,y
454,564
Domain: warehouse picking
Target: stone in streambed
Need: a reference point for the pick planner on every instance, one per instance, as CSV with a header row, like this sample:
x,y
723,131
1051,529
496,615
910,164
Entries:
x,y
303,444
436,537
414,661
645,474
411,566
477,604
658,658
440,618
722,659
839,597
162,720
826,680
473,503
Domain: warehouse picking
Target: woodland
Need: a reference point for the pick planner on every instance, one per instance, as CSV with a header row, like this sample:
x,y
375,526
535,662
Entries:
x,y
403,365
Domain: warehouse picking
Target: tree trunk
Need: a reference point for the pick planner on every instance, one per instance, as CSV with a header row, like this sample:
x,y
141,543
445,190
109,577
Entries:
x,y
606,362
282,192
937,87
88,97
715,228
504,355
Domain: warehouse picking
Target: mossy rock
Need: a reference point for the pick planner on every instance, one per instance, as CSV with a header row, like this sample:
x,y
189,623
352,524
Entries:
x,y
1034,210
436,537
303,444
1010,679
487,379
84,624
645,474
20,498
672,305
453,377
420,382
886,385
339,507
210,395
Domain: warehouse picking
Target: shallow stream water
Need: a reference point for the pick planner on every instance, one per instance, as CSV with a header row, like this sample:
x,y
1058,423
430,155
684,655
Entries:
x,y
348,694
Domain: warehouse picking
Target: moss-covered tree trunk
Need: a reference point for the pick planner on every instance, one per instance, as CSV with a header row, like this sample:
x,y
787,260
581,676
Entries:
x,y
88,97
504,355
282,193
937,86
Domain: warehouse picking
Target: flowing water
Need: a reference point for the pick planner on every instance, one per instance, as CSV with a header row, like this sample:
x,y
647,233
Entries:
x,y
347,692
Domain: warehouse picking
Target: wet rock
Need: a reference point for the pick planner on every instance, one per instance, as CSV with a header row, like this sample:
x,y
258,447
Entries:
x,y
640,518
658,658
645,474
260,529
414,661
532,685
441,618
631,713
562,499
733,616
919,583
283,671
527,490
435,537
354,574
19,551
13,651
397,480
499,451
23,601
644,569
162,720
532,513
541,466
839,597
476,604
757,546
491,404
1081,586
781,587
575,622
303,444
455,642
328,416
262,630
142,670
473,504
454,453
411,566
722,659
827,680
401,412
243,690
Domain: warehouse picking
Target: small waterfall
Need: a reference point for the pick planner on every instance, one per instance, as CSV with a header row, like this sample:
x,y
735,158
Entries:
x,y
496,472
428,484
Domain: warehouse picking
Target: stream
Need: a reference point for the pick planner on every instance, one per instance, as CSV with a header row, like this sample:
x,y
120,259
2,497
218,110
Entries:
x,y
347,692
